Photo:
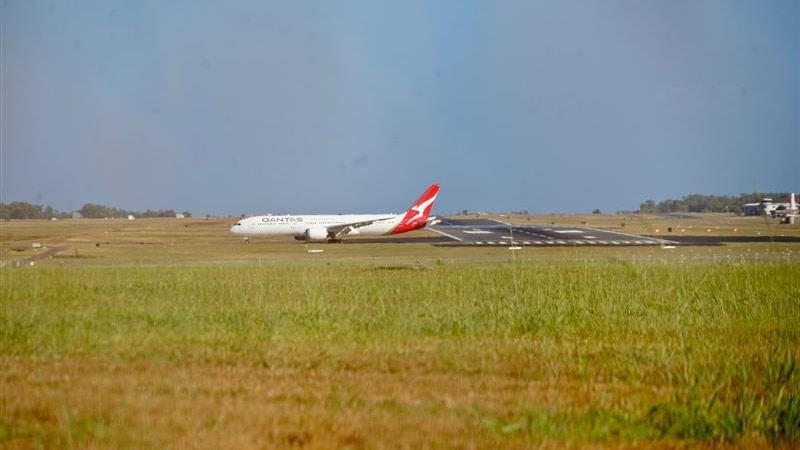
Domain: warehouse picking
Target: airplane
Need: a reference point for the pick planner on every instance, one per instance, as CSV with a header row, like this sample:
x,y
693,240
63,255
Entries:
x,y
332,228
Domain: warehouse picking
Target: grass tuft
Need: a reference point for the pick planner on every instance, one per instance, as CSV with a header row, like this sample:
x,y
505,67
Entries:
x,y
429,350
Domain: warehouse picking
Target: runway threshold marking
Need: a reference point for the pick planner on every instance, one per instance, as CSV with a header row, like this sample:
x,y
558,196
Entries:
x,y
446,234
555,236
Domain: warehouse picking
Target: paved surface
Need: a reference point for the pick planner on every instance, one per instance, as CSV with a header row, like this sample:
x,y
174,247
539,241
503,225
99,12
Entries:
x,y
486,232
30,261
719,240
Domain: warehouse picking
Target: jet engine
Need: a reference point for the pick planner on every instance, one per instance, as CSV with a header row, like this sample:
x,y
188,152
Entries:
x,y
316,234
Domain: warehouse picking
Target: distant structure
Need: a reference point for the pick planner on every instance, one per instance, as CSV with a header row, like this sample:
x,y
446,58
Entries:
x,y
76,215
790,214
762,208
786,208
130,217
180,216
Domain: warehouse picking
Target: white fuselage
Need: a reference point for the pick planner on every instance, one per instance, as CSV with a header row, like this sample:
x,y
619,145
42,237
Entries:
x,y
296,225
335,227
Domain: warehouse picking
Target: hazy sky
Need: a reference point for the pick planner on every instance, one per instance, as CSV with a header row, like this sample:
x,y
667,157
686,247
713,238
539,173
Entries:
x,y
357,106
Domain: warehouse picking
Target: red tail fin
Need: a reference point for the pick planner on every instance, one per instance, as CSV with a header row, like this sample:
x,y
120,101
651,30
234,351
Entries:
x,y
417,216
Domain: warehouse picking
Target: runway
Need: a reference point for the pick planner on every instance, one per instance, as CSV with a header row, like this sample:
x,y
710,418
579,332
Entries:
x,y
488,233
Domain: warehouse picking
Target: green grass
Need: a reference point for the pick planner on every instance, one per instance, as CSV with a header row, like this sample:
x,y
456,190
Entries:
x,y
174,334
425,351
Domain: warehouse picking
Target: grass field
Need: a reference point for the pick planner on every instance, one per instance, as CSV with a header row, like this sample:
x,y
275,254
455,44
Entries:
x,y
173,334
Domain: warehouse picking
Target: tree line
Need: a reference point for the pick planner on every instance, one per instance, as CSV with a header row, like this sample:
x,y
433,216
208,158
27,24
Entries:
x,y
25,210
698,203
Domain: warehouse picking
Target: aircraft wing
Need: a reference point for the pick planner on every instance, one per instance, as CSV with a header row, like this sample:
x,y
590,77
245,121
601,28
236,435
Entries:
x,y
344,229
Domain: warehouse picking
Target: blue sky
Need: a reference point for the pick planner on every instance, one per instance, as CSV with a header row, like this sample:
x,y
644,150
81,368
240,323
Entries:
x,y
356,106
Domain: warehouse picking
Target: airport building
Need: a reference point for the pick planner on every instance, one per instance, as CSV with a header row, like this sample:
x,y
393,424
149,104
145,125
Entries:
x,y
787,206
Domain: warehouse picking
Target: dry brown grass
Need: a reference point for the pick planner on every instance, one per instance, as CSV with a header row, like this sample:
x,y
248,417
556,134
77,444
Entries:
x,y
173,334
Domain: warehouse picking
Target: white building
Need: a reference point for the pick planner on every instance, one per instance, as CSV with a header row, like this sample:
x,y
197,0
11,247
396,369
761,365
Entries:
x,y
768,207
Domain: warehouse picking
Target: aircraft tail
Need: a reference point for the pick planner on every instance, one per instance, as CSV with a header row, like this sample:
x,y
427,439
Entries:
x,y
417,215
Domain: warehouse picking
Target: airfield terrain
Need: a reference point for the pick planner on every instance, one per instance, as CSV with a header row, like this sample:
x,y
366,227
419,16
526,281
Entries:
x,y
172,333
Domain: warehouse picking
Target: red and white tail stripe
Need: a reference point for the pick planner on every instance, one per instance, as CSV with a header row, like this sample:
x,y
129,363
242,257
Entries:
x,y
417,215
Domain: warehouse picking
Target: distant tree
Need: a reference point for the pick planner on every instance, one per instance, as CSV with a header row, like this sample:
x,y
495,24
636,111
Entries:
x,y
93,211
597,211
699,203
22,210
669,206
25,210
648,207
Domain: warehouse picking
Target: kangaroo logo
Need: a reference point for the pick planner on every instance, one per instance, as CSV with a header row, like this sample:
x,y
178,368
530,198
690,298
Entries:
x,y
420,209
417,215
